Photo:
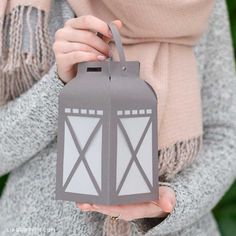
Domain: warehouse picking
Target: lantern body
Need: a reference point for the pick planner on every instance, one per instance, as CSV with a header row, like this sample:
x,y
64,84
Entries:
x,y
107,136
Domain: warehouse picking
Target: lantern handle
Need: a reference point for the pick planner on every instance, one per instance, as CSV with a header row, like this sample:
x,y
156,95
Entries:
x,y
118,42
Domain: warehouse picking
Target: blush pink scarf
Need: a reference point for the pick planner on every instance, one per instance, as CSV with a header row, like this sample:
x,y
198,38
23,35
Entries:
x,y
160,34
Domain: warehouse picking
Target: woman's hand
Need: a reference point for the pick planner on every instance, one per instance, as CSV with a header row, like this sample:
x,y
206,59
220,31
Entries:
x,y
159,208
77,42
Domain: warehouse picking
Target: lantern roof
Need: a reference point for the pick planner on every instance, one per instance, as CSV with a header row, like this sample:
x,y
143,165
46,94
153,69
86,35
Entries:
x,y
108,83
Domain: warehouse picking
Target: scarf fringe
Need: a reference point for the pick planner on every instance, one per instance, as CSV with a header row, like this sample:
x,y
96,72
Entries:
x,y
19,70
1,38
116,228
175,158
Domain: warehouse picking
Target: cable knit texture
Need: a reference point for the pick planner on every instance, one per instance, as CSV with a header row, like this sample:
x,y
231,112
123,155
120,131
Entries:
x,y
28,127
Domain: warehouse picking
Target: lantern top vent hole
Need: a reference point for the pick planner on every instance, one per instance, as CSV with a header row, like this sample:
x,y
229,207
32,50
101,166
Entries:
x,y
94,69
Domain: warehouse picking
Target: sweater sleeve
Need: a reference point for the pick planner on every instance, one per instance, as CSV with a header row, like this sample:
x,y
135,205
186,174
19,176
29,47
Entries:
x,y
29,123
199,187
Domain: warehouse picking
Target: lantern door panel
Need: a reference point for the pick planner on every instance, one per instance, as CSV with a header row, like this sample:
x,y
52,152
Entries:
x,y
82,159
134,163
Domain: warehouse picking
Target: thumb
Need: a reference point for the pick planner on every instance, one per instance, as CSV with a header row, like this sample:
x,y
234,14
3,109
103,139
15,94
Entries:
x,y
167,199
118,23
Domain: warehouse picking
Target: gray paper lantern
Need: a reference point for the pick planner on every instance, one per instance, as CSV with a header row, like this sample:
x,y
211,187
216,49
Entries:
x,y
107,134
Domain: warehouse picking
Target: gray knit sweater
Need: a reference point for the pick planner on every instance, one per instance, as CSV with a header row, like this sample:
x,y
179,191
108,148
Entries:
x,y
28,128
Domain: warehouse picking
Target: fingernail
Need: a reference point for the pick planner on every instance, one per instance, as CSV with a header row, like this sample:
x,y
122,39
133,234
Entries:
x,y
101,57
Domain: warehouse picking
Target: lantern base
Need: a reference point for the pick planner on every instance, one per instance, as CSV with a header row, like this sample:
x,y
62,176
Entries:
x,y
107,200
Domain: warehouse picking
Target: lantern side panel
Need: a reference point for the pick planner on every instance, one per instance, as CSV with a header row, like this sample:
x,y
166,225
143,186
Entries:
x,y
134,129
86,135
134,133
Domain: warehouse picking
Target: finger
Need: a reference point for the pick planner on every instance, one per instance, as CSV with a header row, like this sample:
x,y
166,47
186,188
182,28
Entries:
x,y
90,207
67,47
84,206
91,23
83,36
107,212
66,60
108,39
126,212
167,199
153,210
